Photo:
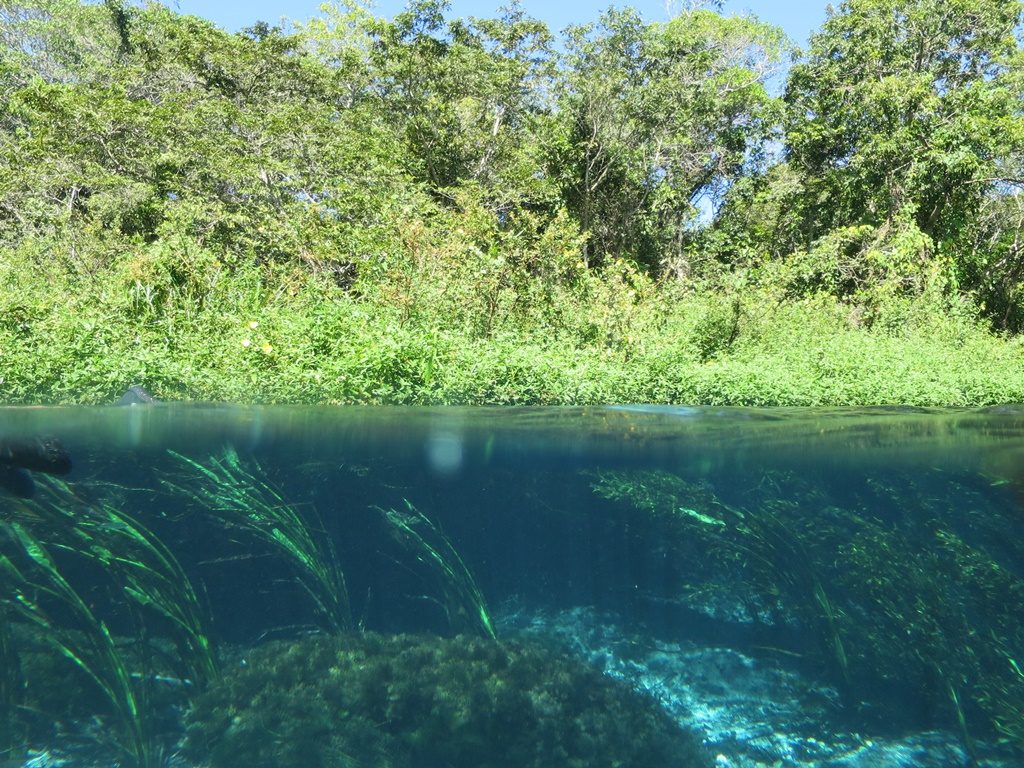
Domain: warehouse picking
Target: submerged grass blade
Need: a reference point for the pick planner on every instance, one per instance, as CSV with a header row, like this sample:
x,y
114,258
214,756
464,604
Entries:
x,y
9,667
138,562
961,720
89,645
238,495
461,597
911,583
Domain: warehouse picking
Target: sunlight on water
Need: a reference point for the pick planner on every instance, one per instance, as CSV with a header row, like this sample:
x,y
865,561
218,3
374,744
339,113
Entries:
x,y
236,587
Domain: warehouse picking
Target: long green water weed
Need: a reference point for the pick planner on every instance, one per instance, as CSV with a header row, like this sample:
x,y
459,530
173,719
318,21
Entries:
x,y
9,671
30,576
899,585
61,524
461,599
238,495
136,559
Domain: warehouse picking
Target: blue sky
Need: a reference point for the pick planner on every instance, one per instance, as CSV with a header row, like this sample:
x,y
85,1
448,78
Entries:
x,y
797,18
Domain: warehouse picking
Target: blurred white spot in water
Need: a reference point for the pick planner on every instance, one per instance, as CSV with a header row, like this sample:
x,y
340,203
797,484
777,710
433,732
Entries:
x,y
256,429
135,419
444,452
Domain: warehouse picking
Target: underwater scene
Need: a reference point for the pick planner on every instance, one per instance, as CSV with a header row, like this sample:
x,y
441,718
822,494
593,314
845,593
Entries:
x,y
314,587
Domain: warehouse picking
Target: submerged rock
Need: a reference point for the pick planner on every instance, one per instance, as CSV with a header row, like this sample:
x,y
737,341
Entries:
x,y
136,394
38,454
17,482
750,712
609,697
411,702
20,456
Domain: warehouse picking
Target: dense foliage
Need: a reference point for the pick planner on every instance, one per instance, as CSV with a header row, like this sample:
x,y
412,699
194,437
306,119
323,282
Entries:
x,y
427,209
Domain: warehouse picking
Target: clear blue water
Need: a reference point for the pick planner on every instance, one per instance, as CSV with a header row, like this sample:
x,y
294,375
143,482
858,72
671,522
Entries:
x,y
470,587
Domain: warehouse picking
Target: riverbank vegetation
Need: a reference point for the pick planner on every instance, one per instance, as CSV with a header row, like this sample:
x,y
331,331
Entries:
x,y
437,210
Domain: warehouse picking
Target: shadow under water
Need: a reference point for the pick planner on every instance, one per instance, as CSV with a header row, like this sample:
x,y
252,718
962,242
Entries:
x,y
633,586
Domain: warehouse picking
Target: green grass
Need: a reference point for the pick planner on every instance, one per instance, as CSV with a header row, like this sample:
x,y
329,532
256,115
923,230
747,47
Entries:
x,y
458,594
261,337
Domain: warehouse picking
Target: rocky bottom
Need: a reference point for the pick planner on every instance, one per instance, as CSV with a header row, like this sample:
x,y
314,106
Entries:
x,y
749,712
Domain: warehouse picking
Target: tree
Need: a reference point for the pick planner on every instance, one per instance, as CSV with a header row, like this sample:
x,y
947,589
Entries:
x,y
466,96
906,118
656,117
127,125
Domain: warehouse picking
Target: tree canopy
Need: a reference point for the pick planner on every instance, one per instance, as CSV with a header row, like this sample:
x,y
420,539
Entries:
x,y
490,165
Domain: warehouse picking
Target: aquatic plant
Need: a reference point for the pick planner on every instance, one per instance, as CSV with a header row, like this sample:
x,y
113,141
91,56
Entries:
x,y
30,579
896,582
940,593
764,551
405,701
151,591
241,499
460,597
141,565
8,688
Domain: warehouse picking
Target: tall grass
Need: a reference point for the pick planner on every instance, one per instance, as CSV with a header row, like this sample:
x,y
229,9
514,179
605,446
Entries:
x,y
598,337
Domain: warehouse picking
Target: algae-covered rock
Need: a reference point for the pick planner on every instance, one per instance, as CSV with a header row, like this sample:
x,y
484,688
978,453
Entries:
x,y
426,701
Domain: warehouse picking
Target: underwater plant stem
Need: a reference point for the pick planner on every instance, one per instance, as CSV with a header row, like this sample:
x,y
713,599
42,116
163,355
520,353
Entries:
x,y
961,719
462,599
242,499
8,675
143,566
95,654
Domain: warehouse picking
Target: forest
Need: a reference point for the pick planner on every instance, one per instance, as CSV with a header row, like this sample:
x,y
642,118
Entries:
x,y
428,209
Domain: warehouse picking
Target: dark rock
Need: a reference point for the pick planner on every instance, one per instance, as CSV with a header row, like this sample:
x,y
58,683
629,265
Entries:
x,y
38,454
136,395
19,456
